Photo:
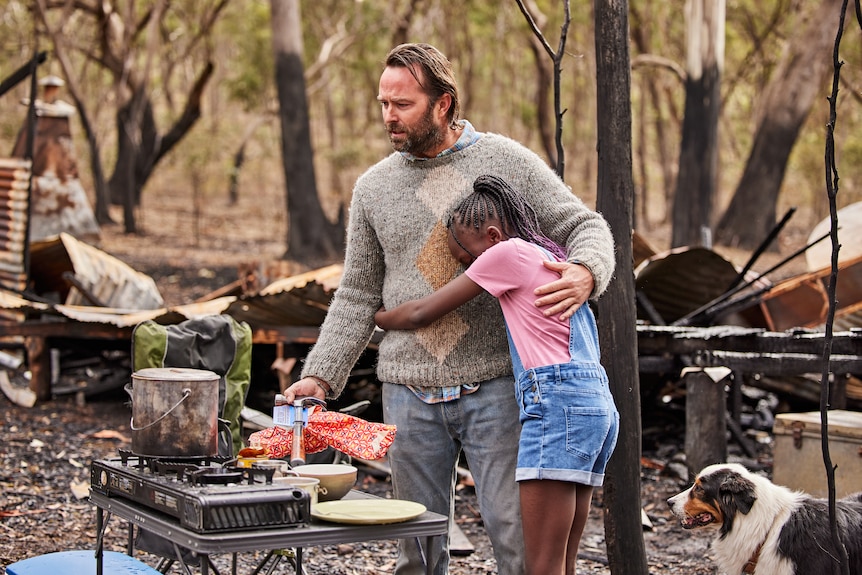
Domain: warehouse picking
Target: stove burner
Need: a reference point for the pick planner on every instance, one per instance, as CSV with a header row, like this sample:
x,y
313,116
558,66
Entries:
x,y
216,476
152,461
205,495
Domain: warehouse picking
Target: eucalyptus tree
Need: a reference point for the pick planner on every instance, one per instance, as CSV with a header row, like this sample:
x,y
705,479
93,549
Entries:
x,y
311,238
148,55
698,159
798,81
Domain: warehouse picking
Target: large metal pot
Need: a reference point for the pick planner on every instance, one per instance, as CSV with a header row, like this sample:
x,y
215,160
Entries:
x,y
174,412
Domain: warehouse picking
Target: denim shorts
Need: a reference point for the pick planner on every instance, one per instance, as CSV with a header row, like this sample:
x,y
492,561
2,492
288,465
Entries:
x,y
569,423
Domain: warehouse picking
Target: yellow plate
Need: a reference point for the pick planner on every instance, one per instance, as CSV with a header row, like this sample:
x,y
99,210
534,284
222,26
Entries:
x,y
367,511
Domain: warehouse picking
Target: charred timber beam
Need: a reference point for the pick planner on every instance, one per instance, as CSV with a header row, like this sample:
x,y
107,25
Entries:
x,y
37,338
659,364
660,340
771,364
801,387
64,329
776,364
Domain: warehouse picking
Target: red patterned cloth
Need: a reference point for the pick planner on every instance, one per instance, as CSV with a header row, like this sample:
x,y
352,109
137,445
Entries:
x,y
346,433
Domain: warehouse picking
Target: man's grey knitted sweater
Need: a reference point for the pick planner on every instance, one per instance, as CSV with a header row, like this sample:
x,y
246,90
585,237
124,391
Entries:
x,y
397,251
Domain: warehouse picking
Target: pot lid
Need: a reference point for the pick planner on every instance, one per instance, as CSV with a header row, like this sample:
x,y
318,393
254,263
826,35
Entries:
x,y
174,373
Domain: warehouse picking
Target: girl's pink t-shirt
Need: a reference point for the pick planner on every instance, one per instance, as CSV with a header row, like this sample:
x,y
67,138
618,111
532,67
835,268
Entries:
x,y
510,271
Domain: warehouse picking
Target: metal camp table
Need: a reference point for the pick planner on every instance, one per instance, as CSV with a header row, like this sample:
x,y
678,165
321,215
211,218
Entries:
x,y
428,526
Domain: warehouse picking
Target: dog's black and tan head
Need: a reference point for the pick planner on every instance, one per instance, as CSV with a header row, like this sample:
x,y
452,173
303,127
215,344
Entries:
x,y
718,494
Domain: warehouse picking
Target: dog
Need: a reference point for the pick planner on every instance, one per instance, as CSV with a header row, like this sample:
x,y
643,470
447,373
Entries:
x,y
767,529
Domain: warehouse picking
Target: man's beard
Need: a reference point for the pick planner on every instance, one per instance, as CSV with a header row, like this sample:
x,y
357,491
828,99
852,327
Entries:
x,y
425,136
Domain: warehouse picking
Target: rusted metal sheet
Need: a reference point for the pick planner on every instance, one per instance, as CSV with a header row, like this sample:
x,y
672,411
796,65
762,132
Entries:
x,y
127,318
682,280
16,308
14,182
59,202
113,283
850,239
325,280
802,301
300,300
819,256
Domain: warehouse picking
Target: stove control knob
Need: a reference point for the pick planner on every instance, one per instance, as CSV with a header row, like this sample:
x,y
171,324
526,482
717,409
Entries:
x,y
103,478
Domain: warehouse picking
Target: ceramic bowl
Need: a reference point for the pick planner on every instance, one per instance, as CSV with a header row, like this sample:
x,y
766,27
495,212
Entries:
x,y
336,479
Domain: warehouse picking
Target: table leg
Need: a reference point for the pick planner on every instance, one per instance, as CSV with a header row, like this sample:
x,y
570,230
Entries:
x,y
100,525
429,566
130,540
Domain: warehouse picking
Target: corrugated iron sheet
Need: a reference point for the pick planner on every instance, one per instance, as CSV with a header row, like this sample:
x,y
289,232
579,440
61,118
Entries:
x,y
126,318
682,280
14,185
58,202
802,301
300,300
819,256
113,283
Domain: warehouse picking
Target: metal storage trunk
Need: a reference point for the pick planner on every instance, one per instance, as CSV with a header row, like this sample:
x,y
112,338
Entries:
x,y
798,456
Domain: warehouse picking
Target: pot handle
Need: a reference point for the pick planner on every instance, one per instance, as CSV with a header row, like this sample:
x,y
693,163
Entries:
x,y
186,393
225,435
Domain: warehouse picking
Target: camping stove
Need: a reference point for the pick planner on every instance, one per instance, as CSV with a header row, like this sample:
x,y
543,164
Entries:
x,y
205,494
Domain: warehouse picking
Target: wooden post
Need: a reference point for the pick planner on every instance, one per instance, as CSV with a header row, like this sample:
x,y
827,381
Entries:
x,y
39,361
705,427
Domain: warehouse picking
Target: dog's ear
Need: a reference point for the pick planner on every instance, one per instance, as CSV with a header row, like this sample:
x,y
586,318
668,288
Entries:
x,y
737,493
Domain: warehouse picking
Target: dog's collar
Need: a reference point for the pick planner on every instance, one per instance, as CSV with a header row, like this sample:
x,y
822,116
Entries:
x,y
751,565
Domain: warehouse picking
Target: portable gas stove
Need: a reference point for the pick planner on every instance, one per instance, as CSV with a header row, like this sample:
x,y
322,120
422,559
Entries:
x,y
205,494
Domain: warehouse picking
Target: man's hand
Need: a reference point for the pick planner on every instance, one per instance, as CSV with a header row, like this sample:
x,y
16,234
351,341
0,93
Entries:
x,y
305,387
565,295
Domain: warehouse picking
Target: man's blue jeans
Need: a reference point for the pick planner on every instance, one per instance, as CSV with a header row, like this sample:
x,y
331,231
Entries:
x,y
428,442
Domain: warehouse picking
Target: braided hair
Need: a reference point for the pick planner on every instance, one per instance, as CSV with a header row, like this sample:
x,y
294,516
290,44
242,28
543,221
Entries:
x,y
493,198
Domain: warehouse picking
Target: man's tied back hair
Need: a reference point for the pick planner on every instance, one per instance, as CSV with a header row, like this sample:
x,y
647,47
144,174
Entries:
x,y
493,198
437,71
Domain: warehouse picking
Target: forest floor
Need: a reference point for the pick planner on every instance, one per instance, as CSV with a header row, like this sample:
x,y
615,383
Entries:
x,y
46,450
44,476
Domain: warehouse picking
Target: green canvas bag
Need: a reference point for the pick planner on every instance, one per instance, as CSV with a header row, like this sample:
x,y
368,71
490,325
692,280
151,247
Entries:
x,y
217,343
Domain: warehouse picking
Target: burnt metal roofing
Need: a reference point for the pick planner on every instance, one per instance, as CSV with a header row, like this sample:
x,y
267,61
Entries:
x,y
14,183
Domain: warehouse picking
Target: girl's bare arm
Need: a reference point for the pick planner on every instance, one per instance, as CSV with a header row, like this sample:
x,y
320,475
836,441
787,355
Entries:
x,y
421,312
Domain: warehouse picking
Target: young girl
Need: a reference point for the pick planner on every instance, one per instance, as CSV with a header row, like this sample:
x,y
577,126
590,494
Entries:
x,y
568,417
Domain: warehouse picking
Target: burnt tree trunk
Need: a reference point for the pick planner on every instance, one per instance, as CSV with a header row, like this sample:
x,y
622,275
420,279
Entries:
x,y
136,143
100,186
698,158
311,239
616,308
140,147
796,84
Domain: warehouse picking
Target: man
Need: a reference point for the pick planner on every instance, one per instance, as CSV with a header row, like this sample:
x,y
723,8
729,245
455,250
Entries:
x,y
447,387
